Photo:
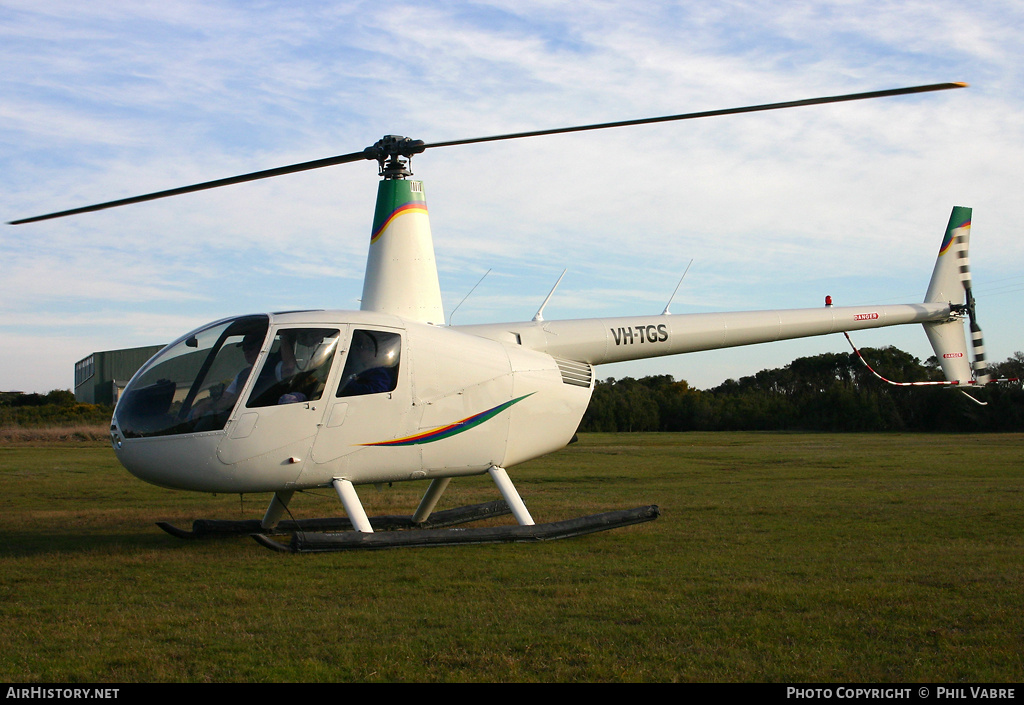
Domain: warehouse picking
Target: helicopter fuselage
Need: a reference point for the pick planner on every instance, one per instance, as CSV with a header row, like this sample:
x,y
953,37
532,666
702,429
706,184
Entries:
x,y
429,402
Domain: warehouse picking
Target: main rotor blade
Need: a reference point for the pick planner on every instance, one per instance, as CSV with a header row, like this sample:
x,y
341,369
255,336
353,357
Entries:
x,y
708,113
254,176
366,154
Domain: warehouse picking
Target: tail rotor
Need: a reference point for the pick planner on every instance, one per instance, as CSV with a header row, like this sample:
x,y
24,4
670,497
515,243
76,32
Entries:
x,y
980,365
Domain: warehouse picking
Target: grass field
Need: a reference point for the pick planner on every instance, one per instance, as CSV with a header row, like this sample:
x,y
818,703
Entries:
x,y
778,557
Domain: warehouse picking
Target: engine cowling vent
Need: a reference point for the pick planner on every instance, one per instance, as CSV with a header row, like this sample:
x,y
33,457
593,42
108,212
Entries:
x,y
578,374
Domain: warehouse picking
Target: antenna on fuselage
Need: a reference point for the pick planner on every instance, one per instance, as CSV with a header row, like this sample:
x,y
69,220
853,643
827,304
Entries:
x,y
540,311
452,314
666,312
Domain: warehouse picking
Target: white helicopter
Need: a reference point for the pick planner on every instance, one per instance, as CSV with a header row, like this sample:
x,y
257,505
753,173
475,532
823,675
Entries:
x,y
286,402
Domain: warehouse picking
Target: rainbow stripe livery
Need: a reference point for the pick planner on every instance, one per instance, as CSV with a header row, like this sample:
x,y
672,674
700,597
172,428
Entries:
x,y
442,432
401,274
959,215
401,210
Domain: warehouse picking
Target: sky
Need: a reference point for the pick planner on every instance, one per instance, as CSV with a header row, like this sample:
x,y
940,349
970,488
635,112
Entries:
x,y
105,100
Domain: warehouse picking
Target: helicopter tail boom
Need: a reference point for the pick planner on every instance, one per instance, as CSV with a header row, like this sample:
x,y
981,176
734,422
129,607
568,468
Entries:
x,y
604,340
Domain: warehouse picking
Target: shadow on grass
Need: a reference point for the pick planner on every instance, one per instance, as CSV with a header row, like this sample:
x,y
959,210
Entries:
x,y
23,544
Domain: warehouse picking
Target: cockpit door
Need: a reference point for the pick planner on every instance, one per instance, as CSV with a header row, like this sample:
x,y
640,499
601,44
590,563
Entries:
x,y
284,399
369,403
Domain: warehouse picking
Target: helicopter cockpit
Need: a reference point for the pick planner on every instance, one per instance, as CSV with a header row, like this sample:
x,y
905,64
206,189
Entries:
x,y
193,384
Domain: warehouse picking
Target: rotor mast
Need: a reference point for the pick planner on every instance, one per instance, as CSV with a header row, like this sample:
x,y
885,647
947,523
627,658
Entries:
x,y
401,270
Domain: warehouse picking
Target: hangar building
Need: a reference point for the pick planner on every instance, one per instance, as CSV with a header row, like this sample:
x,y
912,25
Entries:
x,y
100,377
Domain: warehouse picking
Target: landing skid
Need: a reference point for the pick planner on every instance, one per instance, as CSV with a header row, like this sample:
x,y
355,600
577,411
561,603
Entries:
x,y
217,528
420,529
354,540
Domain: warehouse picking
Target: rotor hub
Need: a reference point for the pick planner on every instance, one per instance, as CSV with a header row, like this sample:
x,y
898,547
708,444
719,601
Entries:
x,y
393,154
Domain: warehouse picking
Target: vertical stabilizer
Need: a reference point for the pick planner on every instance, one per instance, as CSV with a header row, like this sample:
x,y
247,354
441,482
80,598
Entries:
x,y
401,273
947,286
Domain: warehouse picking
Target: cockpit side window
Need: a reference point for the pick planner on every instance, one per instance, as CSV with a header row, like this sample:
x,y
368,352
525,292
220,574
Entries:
x,y
296,367
372,364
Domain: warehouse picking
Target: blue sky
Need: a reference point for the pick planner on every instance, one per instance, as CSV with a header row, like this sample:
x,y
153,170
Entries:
x,y
105,100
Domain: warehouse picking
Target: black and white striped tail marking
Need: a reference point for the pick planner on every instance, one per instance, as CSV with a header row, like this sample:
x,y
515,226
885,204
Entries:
x,y
980,366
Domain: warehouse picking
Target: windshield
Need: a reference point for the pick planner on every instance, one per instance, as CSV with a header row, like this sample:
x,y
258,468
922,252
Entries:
x,y
192,385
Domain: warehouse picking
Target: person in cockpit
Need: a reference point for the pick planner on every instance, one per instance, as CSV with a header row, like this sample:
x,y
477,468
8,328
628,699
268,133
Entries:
x,y
272,371
364,373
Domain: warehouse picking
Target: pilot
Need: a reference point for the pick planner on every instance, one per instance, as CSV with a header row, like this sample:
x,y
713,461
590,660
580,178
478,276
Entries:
x,y
279,366
272,371
251,344
363,372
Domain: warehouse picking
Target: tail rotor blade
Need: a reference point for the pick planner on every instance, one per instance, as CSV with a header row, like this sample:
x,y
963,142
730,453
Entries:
x,y
980,365
981,375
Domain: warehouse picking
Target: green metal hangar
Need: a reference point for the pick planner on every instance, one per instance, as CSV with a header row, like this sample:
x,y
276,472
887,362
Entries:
x,y
100,377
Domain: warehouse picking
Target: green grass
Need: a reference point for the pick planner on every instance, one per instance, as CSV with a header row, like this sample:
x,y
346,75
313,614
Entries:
x,y
778,557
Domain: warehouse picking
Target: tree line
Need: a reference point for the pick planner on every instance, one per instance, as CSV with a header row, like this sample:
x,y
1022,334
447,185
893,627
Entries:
x,y
829,392
55,408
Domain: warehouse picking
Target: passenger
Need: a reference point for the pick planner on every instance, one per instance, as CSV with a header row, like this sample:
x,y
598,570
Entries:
x,y
363,373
